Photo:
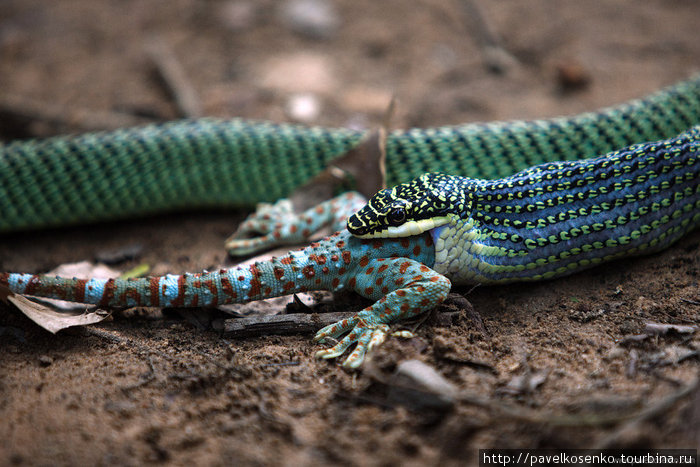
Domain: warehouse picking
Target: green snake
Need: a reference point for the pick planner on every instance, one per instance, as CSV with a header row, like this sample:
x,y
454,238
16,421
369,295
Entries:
x,y
213,163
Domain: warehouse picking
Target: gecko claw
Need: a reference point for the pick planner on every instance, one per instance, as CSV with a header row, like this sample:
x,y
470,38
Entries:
x,y
367,337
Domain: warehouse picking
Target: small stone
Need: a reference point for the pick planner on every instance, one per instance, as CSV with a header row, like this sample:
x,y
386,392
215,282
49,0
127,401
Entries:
x,y
303,107
120,254
317,19
572,77
45,360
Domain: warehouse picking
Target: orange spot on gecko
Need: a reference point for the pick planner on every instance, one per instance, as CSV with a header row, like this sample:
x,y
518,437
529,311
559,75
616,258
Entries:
x,y
428,240
379,280
342,271
279,273
377,244
308,271
404,267
385,290
288,286
334,258
293,229
405,307
416,250
306,232
351,283
405,242
401,293
325,270
434,279
369,291
399,281
347,256
335,282
369,271
286,260
424,268
425,302
382,268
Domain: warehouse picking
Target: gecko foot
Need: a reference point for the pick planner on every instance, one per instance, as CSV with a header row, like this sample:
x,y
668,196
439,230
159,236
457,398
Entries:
x,y
366,336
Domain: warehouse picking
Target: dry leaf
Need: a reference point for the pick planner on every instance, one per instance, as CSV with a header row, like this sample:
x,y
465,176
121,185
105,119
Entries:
x,y
52,320
54,315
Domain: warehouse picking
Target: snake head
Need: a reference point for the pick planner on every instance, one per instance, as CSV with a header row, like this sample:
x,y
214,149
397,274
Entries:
x,y
411,208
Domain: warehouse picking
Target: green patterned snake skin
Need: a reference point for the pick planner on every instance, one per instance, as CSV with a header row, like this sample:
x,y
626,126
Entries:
x,y
213,163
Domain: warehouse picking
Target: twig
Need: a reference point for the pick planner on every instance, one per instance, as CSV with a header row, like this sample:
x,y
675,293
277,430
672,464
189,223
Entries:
x,y
150,376
496,58
172,73
504,410
295,323
648,413
21,112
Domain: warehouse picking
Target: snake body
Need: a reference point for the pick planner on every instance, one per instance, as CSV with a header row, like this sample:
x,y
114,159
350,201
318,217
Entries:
x,y
209,163
550,220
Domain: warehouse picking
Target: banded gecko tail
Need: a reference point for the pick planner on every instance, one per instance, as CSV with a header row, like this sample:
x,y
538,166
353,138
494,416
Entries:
x,y
297,271
395,273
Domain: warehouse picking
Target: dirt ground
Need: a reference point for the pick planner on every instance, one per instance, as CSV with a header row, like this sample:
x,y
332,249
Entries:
x,y
152,387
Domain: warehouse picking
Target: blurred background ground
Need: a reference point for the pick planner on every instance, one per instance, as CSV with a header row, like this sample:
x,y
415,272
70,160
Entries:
x,y
157,389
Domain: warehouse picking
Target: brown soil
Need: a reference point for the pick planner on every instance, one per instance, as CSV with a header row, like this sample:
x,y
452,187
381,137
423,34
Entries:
x,y
154,388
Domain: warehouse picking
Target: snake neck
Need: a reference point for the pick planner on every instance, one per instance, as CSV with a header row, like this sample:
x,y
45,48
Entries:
x,y
558,218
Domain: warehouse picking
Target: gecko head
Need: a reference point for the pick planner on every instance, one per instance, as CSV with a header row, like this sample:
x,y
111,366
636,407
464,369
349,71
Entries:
x,y
408,209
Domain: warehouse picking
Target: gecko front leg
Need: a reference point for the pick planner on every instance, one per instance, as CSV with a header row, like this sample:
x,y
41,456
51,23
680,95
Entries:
x,y
277,224
402,287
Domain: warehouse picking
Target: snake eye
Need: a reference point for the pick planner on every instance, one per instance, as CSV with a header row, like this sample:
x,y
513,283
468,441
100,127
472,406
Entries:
x,y
397,216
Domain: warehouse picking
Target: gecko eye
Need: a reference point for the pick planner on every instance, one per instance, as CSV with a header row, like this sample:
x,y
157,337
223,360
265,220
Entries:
x,y
397,216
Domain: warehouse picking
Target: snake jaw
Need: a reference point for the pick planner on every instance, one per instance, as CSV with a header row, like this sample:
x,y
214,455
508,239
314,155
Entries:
x,y
408,229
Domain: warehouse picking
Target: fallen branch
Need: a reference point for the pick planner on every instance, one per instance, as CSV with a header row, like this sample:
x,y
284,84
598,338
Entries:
x,y
19,115
294,323
496,58
173,75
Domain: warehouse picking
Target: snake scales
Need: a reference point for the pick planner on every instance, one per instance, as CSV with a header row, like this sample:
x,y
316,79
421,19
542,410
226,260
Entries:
x,y
208,163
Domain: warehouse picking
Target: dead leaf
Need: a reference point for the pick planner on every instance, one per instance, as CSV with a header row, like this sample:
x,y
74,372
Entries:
x,y
52,320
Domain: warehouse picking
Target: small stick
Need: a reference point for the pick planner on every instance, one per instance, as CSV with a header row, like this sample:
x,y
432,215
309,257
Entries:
x,y
21,112
172,73
293,323
496,58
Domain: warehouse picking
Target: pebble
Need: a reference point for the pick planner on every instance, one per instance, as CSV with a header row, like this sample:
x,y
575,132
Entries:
x,y
317,19
303,107
45,360
572,76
